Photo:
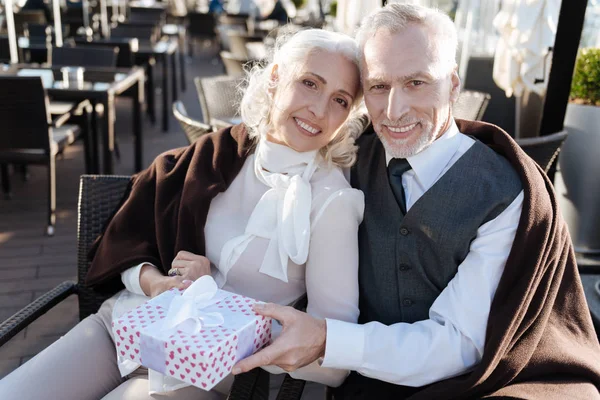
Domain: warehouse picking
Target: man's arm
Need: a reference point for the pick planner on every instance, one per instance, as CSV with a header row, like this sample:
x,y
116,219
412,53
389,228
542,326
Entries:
x,y
449,343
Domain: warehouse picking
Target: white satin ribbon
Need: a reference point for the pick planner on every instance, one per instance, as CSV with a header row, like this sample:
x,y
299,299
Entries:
x,y
282,215
185,311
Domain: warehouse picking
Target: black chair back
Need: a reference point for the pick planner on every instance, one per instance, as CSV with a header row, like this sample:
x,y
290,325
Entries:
x,y
202,25
38,33
99,198
471,105
4,49
24,115
85,56
144,33
543,149
147,15
125,46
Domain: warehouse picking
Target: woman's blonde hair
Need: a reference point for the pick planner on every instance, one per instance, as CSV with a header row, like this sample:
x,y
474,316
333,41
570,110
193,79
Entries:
x,y
291,50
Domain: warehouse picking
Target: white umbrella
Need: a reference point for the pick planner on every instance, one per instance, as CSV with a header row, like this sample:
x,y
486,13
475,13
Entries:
x,y
527,29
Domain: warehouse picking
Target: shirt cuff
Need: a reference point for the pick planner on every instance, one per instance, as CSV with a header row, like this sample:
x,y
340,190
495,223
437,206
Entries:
x,y
131,278
344,346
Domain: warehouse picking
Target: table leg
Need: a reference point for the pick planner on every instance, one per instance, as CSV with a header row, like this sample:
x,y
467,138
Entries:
x,y
94,139
165,90
108,134
174,75
138,99
182,46
87,140
151,110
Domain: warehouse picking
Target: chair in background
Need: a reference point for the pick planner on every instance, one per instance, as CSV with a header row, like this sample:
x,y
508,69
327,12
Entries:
x,y
234,66
471,105
201,26
156,16
125,46
5,50
30,137
543,149
28,17
149,33
237,43
85,56
193,129
99,197
219,100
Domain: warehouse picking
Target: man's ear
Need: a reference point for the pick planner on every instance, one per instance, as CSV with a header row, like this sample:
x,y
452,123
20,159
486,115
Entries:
x,y
455,86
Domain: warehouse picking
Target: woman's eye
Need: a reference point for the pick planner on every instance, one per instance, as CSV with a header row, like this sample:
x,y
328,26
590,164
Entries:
x,y
308,83
342,102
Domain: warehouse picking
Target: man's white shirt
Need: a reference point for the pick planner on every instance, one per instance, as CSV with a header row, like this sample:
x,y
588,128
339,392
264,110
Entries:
x,y
451,341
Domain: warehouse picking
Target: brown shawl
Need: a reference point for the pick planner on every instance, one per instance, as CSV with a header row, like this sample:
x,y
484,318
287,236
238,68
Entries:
x,y
167,207
540,340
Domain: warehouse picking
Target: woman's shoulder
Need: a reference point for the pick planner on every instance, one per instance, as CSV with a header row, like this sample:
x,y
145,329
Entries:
x,y
331,187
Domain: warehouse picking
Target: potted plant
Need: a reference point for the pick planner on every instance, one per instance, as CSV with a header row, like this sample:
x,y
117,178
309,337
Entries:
x,y
577,184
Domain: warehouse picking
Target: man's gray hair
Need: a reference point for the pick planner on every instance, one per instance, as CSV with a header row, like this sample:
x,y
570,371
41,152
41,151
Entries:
x,y
395,17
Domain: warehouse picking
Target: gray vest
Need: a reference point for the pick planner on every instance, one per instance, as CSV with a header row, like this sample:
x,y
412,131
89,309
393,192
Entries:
x,y
406,263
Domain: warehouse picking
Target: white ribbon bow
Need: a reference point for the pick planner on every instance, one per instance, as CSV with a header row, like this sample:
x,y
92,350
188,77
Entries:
x,y
282,215
185,311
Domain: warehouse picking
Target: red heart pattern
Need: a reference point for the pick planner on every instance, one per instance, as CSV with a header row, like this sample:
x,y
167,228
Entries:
x,y
187,358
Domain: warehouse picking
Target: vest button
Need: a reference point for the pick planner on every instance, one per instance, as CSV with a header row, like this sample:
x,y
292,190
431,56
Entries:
x,y
407,302
404,267
404,231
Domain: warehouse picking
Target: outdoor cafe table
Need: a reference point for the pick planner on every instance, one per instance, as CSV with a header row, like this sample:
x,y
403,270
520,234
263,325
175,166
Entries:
x,y
161,51
101,86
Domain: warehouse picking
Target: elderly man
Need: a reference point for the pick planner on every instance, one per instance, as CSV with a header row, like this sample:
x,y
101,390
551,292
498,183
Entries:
x,y
468,283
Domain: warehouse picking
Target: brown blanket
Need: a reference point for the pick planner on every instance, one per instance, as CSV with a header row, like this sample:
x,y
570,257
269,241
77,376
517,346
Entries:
x,y
167,207
540,340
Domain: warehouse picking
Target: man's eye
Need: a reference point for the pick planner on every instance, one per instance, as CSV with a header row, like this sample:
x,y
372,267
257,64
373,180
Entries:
x,y
378,87
416,83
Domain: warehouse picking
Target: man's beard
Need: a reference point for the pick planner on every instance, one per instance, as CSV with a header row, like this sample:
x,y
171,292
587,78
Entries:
x,y
408,147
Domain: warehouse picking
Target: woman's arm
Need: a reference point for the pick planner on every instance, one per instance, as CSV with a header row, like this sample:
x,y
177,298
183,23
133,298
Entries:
x,y
332,271
146,279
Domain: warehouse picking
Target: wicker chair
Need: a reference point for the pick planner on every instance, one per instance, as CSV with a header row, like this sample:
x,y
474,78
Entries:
x,y
193,129
218,97
543,149
471,105
234,66
99,197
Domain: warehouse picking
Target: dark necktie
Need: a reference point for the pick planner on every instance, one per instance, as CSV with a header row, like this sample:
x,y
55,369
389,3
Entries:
x,y
396,168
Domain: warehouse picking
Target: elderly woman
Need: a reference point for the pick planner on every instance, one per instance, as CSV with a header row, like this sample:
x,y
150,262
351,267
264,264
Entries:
x,y
265,201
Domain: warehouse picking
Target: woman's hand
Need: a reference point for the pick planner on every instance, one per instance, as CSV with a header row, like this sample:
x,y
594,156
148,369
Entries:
x,y
190,266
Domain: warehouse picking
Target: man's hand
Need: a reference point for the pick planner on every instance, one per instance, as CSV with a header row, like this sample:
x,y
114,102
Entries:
x,y
301,342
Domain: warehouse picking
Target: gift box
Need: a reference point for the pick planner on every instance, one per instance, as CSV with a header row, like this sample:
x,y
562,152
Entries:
x,y
194,335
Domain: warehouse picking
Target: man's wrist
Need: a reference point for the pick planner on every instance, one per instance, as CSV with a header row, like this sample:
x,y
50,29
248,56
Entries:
x,y
323,337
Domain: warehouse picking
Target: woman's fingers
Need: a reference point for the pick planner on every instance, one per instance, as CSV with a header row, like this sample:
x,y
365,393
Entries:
x,y
186,255
180,263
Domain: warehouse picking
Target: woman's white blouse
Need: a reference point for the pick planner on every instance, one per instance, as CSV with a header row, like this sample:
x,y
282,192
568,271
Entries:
x,y
242,214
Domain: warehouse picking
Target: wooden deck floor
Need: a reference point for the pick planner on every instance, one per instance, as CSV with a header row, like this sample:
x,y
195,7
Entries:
x,y
31,263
